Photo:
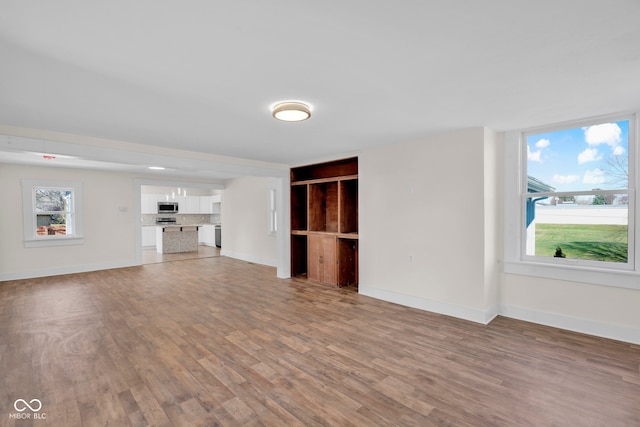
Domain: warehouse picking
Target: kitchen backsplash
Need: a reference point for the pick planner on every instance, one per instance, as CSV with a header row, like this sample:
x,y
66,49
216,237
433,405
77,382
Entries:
x,y
150,219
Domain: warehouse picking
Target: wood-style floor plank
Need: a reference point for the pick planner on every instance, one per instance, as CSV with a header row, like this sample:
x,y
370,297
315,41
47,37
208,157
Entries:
x,y
216,341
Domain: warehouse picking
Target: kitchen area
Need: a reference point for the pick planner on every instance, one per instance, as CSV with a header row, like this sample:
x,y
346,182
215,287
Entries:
x,y
179,223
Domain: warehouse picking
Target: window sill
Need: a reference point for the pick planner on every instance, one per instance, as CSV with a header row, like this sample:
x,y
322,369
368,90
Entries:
x,y
53,241
595,276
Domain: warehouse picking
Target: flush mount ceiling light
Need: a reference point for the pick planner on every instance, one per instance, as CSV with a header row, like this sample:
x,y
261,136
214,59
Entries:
x,y
291,111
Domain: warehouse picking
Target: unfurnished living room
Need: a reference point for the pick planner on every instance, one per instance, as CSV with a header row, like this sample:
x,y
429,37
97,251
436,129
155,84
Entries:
x,y
333,213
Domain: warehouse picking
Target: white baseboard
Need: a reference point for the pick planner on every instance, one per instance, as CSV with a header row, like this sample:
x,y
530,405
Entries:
x,y
584,326
249,258
58,271
466,313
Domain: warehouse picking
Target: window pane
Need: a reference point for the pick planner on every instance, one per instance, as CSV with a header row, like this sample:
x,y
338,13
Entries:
x,y
581,159
53,225
53,200
585,227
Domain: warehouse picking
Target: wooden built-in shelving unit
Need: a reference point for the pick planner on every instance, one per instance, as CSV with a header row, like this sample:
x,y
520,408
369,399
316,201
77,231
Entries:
x,y
324,222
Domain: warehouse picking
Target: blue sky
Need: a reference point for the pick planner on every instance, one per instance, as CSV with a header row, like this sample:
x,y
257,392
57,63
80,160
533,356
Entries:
x,y
575,159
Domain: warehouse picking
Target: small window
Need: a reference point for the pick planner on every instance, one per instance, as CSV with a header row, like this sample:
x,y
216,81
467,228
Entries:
x,y
273,212
577,198
52,213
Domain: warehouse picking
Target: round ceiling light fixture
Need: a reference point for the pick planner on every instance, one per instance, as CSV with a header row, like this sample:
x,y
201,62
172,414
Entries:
x,y
291,111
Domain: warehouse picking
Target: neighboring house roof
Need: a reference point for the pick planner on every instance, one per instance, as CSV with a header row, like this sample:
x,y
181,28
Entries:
x,y
534,185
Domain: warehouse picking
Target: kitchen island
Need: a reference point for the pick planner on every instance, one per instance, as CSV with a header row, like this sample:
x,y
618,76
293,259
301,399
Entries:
x,y
171,239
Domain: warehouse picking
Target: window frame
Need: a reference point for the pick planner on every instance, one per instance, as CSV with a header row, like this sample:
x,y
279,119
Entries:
x,y
515,259
272,210
31,238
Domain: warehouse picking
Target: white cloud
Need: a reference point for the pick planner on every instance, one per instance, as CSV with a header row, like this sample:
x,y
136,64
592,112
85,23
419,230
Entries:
x,y
589,155
565,179
534,156
543,143
606,133
618,151
595,176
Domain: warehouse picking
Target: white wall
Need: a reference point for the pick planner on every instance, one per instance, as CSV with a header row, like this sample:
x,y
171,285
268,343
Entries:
x,y
109,234
607,311
111,237
440,201
492,220
593,309
437,200
244,220
428,224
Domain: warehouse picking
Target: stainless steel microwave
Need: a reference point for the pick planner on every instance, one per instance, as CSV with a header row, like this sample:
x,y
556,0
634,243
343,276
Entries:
x,y
167,207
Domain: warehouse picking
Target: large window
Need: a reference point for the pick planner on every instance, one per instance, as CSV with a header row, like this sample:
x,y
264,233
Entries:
x,y
52,213
577,193
573,206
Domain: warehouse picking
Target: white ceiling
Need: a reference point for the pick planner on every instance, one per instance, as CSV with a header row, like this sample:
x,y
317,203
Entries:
x,y
200,75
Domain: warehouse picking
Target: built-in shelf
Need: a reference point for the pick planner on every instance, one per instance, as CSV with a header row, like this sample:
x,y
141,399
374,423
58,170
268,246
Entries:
x,y
323,207
298,255
324,222
299,207
348,206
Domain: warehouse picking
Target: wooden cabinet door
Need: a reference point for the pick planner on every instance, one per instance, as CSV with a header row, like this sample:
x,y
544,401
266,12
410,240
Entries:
x,y
313,258
322,259
328,260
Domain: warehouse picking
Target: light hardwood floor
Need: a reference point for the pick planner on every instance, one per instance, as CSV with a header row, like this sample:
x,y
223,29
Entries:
x,y
151,255
217,341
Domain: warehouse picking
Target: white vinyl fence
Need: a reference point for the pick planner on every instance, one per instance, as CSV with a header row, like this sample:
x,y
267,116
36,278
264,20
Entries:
x,y
580,214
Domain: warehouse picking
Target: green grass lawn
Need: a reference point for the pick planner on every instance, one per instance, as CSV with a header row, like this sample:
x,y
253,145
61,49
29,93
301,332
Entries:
x,y
589,242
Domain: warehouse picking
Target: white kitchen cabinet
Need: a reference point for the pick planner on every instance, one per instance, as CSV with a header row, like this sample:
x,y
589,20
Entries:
x,y
191,205
144,203
182,203
148,235
206,204
207,235
215,204
186,204
147,205
210,204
